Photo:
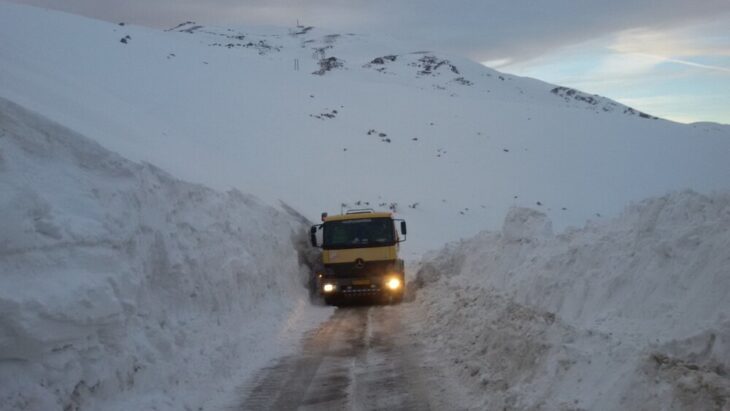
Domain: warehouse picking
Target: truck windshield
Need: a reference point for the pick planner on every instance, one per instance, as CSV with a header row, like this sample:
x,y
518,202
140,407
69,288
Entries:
x,y
366,232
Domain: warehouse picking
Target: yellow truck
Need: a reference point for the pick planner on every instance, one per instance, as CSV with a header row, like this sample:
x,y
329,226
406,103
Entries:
x,y
360,256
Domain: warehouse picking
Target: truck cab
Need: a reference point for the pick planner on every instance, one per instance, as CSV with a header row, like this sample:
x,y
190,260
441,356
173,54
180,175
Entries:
x,y
360,255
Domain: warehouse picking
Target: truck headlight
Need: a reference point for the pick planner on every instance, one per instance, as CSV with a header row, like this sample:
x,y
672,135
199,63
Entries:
x,y
328,288
393,284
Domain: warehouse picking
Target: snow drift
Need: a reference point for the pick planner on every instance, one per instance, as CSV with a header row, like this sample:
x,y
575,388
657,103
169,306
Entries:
x,y
124,288
628,314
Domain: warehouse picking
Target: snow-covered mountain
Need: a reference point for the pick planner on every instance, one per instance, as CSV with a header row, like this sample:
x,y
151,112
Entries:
x,y
327,120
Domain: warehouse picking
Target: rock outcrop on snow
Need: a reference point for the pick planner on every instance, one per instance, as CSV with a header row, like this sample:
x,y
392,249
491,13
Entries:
x,y
595,101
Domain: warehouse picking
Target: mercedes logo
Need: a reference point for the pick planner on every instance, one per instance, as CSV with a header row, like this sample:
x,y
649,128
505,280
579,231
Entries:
x,y
359,263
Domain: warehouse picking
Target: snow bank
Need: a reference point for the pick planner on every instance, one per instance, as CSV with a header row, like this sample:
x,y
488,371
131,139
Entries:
x,y
628,314
124,288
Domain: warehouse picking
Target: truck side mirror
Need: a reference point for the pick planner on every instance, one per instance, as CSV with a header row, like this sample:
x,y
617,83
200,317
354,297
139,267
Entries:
x,y
313,235
403,228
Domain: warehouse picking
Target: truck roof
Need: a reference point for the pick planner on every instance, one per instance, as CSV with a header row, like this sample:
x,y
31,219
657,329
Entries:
x,y
359,215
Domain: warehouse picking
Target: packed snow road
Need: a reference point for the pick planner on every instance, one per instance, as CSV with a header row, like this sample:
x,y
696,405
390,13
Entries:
x,y
360,359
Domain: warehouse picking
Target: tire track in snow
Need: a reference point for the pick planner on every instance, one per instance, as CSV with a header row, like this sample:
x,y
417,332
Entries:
x,y
359,360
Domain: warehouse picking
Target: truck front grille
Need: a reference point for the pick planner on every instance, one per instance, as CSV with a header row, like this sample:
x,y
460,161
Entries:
x,y
349,270
360,289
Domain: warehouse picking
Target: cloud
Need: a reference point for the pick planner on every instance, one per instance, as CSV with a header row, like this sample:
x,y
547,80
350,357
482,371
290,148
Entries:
x,y
635,53
496,64
638,52
663,59
624,65
685,42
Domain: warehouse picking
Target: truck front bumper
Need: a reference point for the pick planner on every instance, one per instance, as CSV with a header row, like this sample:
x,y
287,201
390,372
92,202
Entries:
x,y
362,286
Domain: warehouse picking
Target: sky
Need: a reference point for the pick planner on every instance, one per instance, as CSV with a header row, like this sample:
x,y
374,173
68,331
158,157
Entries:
x,y
669,58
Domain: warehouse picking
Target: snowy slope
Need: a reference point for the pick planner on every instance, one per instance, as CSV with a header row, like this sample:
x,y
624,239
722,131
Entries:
x,y
631,313
124,288
460,143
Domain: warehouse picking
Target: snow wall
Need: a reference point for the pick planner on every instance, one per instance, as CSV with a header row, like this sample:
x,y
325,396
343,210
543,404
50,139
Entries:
x,y
632,313
124,288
